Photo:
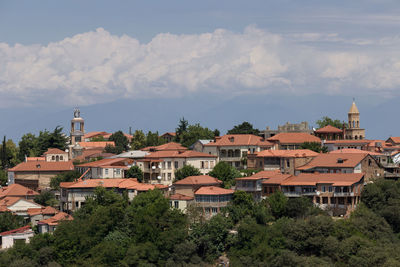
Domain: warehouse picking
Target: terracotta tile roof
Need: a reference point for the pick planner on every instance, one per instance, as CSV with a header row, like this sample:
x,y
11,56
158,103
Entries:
x,y
101,144
353,150
276,179
213,190
94,134
198,180
260,175
336,179
329,129
128,136
16,190
9,201
142,187
345,141
4,209
239,140
35,158
169,133
167,146
178,196
108,183
43,210
395,139
43,166
349,160
23,229
178,154
61,216
294,138
298,153
117,162
54,151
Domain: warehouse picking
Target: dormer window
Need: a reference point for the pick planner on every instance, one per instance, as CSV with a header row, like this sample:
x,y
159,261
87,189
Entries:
x,y
340,160
232,139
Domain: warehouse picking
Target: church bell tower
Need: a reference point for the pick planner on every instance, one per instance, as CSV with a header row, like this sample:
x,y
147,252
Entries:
x,y
354,131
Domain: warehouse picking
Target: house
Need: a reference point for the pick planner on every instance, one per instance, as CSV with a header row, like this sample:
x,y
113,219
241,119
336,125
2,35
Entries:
x,y
273,184
160,166
17,190
168,137
49,225
395,141
181,202
105,168
233,148
18,205
287,128
345,163
98,145
42,213
339,192
74,194
292,140
55,154
37,175
199,144
346,144
329,132
22,234
92,154
191,184
253,184
284,160
210,199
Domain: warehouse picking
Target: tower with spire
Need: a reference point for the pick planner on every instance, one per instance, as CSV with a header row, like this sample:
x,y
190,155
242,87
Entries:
x,y
353,131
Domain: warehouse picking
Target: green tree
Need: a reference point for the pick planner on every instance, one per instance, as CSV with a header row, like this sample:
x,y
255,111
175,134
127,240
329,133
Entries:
x,y
113,149
28,146
55,139
9,221
69,176
278,204
216,132
226,173
181,129
325,121
138,140
153,139
194,133
9,154
244,128
186,171
135,172
120,141
314,146
46,198
3,177
99,138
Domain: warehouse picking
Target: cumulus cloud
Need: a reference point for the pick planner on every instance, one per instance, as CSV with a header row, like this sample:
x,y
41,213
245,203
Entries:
x,y
97,66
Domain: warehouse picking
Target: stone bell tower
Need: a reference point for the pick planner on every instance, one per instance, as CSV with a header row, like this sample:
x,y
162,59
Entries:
x,y
76,134
354,131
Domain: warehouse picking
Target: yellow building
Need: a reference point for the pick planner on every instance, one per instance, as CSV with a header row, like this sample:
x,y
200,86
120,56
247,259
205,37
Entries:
x,y
353,131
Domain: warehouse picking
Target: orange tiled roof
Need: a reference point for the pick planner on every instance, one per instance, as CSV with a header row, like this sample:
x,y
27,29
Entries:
x,y
35,159
298,153
167,146
345,141
108,183
16,190
101,144
353,150
294,138
178,196
43,210
198,180
350,160
106,163
276,179
239,140
336,179
260,175
61,216
43,166
395,139
54,151
169,133
178,154
329,129
23,229
213,190
94,134
8,201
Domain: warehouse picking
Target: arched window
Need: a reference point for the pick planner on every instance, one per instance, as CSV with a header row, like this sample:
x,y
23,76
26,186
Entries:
x,y
61,158
358,124
356,137
53,158
57,158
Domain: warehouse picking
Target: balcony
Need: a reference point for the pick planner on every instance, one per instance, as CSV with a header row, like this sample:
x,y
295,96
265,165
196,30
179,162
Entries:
x,y
343,194
293,194
249,188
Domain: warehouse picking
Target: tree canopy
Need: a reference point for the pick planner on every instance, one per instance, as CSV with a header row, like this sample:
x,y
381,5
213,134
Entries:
x,y
186,171
314,146
69,176
135,172
226,173
244,128
120,141
325,121
138,140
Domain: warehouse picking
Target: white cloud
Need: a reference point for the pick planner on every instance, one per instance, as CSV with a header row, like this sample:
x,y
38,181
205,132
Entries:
x,y
96,66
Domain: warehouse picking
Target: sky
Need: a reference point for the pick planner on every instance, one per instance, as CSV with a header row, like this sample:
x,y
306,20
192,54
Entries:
x,y
56,55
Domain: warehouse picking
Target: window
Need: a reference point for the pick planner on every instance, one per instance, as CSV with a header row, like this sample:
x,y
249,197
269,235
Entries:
x,y
214,210
163,165
53,158
106,171
163,176
117,171
330,189
287,163
61,158
176,204
237,164
176,165
77,204
170,204
169,176
202,164
169,165
323,189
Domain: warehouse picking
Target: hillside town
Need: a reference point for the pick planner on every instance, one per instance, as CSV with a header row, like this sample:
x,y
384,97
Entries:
x,y
330,166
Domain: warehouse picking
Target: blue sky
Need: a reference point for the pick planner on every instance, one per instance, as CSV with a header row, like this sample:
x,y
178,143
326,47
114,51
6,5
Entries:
x,y
61,54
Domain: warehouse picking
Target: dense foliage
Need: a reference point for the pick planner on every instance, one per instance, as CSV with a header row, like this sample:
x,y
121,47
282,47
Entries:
x,y
244,128
314,146
134,172
186,171
226,173
69,176
110,231
120,141
325,121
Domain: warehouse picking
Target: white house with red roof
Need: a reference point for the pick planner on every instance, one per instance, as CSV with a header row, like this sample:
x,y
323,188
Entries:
x,y
22,234
233,148
211,199
253,184
49,225
292,140
105,168
18,205
181,202
17,190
